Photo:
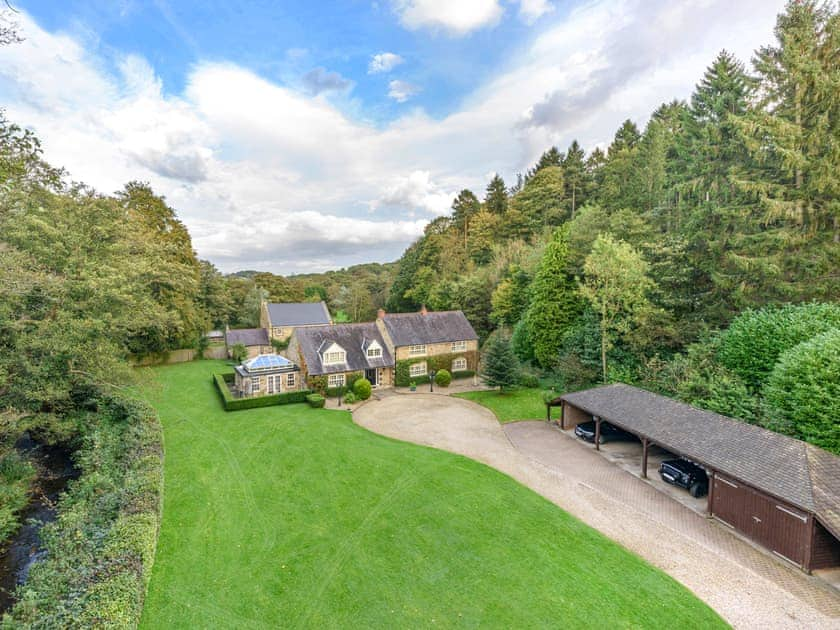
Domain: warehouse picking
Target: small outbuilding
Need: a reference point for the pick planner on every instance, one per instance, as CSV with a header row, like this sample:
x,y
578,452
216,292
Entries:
x,y
778,491
266,374
255,340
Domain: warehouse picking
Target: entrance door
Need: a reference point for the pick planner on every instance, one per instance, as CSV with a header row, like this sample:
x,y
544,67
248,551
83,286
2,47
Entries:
x,y
371,376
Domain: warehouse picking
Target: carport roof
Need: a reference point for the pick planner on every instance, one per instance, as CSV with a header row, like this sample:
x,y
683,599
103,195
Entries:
x,y
804,475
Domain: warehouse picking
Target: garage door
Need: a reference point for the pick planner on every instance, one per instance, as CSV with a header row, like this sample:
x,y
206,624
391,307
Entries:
x,y
775,525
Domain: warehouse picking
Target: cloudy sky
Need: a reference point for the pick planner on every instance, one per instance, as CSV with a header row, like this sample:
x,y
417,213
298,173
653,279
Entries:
x,y
301,136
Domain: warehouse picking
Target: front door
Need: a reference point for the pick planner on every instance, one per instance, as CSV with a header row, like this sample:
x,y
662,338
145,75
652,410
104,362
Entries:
x,y
371,376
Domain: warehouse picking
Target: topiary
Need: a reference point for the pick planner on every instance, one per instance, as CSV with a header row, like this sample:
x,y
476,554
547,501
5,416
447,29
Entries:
x,y
443,378
362,388
803,392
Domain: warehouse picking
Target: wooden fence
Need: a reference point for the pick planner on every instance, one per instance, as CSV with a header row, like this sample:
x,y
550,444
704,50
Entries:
x,y
178,356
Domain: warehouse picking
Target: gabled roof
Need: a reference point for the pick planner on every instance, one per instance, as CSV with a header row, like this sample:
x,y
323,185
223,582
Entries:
x,y
351,337
247,337
298,313
793,471
408,329
266,363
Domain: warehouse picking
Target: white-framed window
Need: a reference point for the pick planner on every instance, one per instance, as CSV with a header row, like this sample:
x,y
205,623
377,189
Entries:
x,y
374,352
459,346
255,384
273,384
417,350
459,364
290,379
337,356
336,380
417,369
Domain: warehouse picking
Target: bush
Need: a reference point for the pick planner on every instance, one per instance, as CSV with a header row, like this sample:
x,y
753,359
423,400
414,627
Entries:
x,y
316,401
443,378
803,392
351,380
529,380
231,403
362,389
16,476
463,373
350,398
100,549
755,340
238,352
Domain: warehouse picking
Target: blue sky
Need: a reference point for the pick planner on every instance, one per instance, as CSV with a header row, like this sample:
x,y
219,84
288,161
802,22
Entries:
x,y
301,136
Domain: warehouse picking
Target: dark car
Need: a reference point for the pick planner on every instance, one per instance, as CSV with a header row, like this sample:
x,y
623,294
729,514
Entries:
x,y
609,433
686,474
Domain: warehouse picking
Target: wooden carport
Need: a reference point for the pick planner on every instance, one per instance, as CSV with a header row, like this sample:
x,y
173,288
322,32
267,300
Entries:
x,y
778,491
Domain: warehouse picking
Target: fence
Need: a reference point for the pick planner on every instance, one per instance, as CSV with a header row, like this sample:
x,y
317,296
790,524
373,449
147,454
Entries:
x,y
178,356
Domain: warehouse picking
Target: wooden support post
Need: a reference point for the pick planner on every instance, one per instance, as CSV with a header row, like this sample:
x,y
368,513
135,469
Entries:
x,y
809,545
645,445
597,433
548,413
710,501
563,414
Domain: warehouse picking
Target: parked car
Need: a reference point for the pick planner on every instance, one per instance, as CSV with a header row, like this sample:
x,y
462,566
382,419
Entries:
x,y
609,433
686,474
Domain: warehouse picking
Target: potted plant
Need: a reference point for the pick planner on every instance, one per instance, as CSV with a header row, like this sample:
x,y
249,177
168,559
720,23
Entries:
x,y
412,386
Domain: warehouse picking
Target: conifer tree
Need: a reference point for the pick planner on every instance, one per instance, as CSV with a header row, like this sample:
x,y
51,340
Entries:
x,y
496,199
498,365
575,177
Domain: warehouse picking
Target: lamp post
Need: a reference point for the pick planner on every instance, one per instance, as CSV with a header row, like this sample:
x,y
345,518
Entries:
x,y
432,381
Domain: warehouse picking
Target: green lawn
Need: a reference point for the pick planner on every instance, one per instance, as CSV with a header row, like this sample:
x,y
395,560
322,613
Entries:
x,y
295,517
518,404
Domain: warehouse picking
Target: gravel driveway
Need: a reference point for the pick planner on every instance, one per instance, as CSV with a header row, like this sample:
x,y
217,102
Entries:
x,y
746,586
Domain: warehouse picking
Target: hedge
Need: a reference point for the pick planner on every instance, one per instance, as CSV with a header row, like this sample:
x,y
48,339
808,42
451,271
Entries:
x,y
402,374
101,547
231,403
316,401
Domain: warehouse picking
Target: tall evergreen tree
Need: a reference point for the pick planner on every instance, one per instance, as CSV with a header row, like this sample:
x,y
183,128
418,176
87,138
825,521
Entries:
x,y
498,365
554,304
496,198
576,177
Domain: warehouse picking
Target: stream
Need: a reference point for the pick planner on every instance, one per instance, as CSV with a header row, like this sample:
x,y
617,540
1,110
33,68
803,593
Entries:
x,y
55,469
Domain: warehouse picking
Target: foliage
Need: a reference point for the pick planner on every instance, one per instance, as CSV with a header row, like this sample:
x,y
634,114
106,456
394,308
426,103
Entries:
x,y
238,352
316,401
498,366
443,378
232,403
554,303
803,391
528,380
100,550
317,383
435,362
16,477
616,285
362,388
315,478
755,340
280,344
350,398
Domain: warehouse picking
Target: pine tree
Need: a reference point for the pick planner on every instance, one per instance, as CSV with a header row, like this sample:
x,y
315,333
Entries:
x,y
498,365
554,304
576,177
496,199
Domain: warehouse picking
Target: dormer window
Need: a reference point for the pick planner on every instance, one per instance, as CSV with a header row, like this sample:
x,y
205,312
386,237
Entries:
x,y
374,351
333,355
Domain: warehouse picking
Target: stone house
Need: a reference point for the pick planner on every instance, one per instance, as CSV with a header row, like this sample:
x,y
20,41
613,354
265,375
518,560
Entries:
x,y
281,319
255,340
266,374
337,351
428,340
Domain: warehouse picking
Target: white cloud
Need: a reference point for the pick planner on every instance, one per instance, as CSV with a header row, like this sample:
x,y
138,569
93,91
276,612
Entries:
x,y
384,62
532,10
401,91
320,80
458,17
270,177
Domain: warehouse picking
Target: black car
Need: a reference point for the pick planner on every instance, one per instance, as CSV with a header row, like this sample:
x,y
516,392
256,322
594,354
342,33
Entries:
x,y
609,433
686,474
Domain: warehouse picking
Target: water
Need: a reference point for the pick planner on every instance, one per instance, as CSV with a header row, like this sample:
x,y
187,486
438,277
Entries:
x,y
55,469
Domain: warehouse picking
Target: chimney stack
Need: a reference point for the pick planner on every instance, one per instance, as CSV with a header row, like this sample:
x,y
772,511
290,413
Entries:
x,y
423,310
380,314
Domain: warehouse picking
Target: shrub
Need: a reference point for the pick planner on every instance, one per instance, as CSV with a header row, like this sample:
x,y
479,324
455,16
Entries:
x,y
463,373
238,352
350,398
362,389
316,401
351,380
803,392
529,380
443,378
755,340
100,549
280,344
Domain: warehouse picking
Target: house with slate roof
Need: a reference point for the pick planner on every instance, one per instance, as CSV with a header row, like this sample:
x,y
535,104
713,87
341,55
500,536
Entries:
x,y
266,374
255,340
281,319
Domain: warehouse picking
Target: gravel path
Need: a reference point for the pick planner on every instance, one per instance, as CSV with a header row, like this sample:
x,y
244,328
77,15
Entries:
x,y
746,586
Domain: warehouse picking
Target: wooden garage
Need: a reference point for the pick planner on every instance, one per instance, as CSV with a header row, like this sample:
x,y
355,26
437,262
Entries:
x,y
780,492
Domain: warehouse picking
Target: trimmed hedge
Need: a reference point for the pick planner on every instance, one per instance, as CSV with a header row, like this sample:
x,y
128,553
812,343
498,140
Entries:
x,y
316,401
231,403
100,549
437,362
362,388
443,378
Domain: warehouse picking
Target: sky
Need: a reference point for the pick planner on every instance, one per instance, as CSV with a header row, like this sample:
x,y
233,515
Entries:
x,y
302,136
